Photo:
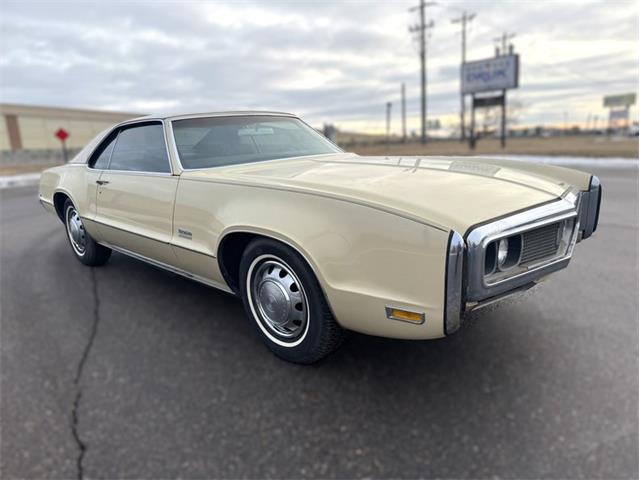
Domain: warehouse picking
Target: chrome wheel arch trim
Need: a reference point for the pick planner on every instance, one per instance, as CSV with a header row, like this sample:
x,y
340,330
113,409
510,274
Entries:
x,y
268,234
67,194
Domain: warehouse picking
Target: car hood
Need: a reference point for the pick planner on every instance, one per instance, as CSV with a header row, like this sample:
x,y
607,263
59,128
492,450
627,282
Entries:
x,y
446,192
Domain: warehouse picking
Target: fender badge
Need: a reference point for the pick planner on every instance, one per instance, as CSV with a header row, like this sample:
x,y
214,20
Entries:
x,y
185,234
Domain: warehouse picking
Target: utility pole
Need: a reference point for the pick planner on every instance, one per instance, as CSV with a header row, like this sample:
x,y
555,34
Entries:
x,y
463,23
507,49
388,122
504,39
404,114
422,28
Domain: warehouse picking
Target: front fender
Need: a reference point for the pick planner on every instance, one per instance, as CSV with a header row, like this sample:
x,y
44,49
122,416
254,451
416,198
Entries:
x,y
365,259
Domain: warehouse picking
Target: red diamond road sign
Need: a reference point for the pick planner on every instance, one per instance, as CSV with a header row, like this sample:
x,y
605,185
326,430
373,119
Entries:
x,y
62,134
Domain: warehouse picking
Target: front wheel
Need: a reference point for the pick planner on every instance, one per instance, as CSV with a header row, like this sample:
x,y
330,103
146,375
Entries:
x,y
286,304
84,247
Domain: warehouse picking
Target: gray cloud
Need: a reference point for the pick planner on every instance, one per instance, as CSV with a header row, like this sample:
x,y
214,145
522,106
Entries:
x,y
328,61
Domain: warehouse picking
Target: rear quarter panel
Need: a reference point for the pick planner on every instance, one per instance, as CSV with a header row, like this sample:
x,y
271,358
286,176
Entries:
x,y
78,183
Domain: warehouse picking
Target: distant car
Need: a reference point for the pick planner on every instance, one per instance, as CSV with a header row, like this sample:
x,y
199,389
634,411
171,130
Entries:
x,y
317,241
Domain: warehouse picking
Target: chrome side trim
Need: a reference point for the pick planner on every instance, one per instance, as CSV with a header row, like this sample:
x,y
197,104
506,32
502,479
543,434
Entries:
x,y
477,239
169,268
204,254
453,283
146,237
149,238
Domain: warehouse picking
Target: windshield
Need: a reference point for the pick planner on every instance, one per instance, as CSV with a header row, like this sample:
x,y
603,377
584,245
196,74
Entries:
x,y
216,141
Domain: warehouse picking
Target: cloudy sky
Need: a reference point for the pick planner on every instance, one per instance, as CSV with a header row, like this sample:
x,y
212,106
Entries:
x,y
329,61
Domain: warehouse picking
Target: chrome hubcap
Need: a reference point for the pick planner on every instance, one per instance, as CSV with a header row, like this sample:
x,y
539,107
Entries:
x,y
279,299
77,235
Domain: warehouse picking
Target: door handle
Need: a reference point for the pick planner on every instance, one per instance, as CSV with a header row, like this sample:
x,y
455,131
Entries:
x,y
102,182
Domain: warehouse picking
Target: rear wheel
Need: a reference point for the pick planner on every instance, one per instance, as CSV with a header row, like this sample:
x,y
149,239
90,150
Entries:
x,y
286,304
84,247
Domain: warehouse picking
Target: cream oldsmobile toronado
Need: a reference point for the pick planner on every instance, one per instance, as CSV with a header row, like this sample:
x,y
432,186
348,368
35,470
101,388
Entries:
x,y
314,240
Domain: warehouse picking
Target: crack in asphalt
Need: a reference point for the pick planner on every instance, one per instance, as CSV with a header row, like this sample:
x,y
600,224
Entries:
x,y
82,447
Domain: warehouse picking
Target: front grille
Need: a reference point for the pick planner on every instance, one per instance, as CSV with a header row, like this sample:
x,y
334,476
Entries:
x,y
540,243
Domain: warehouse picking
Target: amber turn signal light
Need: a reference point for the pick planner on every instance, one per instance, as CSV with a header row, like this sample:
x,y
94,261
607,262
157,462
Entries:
x,y
404,315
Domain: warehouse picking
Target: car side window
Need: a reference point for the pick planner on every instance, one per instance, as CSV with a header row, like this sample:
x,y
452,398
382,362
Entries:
x,y
100,158
141,148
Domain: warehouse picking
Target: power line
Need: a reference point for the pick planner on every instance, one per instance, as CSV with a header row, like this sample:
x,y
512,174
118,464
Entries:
x,y
462,20
422,29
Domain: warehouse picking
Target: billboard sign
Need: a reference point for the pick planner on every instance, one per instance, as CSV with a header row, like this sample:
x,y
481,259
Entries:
x,y
497,73
619,115
624,100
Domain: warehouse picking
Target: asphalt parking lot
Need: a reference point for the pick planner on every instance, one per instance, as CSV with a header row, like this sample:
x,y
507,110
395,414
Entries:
x,y
129,371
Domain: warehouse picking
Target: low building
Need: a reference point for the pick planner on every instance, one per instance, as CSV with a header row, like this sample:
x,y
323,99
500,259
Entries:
x,y
32,128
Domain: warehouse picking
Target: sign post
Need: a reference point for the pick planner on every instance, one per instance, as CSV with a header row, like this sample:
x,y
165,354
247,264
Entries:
x,y
500,73
618,106
62,135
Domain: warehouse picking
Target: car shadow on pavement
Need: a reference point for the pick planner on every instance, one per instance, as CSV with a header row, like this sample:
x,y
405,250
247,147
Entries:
x,y
485,351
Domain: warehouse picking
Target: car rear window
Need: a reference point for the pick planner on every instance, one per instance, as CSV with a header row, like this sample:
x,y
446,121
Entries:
x,y
216,141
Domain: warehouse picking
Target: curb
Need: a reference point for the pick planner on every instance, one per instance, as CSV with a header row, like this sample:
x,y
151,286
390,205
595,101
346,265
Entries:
x,y
568,161
13,181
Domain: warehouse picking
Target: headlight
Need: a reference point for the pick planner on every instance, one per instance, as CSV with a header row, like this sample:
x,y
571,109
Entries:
x,y
503,254
503,250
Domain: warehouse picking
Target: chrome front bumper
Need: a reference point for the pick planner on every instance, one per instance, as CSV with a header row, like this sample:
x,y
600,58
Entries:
x,y
465,283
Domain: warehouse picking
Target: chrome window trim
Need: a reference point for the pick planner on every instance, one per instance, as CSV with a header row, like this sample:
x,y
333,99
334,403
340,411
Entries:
x,y
126,124
477,289
240,113
453,282
135,172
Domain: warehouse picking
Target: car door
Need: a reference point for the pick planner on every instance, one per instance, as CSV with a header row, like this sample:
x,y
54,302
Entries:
x,y
136,193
